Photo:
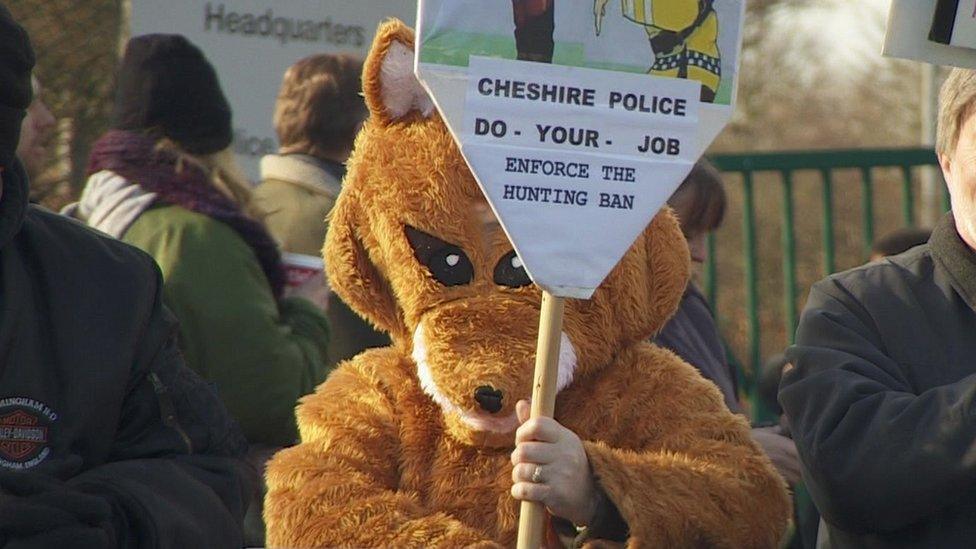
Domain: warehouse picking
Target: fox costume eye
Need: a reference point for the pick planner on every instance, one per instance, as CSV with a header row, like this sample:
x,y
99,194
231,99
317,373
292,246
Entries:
x,y
448,263
510,271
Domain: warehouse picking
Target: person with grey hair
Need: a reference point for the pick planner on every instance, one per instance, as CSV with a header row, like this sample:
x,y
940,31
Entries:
x,y
882,388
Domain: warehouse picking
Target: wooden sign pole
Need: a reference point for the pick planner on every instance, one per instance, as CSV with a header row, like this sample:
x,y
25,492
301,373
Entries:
x,y
532,518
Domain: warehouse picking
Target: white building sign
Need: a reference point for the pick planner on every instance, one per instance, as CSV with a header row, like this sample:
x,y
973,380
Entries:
x,y
252,42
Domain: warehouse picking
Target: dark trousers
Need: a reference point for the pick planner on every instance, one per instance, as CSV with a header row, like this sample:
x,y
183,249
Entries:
x,y
534,25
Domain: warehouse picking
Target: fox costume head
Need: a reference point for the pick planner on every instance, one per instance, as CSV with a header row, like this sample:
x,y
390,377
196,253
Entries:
x,y
414,247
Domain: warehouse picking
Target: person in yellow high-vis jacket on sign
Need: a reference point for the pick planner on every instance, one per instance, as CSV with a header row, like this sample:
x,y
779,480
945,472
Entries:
x,y
683,36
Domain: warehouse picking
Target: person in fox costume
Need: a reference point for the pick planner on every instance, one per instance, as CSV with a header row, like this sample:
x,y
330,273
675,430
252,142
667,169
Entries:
x,y
426,443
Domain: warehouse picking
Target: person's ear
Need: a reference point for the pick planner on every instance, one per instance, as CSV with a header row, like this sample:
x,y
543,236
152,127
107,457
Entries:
x,y
945,162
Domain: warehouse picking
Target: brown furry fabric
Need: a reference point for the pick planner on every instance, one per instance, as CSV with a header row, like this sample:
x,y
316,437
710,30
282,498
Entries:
x,y
381,464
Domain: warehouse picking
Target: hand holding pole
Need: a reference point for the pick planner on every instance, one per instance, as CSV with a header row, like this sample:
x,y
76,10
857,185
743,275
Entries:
x,y
532,518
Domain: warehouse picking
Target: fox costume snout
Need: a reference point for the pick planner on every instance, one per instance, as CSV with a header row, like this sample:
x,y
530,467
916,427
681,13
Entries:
x,y
408,446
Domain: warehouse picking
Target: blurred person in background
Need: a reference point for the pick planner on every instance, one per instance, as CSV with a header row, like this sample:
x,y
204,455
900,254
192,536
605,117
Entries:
x,y
35,133
806,518
106,438
883,384
165,180
899,241
700,204
317,116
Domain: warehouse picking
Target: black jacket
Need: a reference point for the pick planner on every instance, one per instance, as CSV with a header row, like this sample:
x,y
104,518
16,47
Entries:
x,y
692,334
882,399
106,439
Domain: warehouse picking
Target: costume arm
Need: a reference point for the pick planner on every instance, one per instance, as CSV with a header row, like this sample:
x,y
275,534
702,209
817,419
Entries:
x,y
696,478
261,356
877,455
339,487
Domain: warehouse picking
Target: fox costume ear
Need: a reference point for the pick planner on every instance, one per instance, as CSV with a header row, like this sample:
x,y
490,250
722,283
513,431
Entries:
x,y
649,282
391,89
353,276
670,260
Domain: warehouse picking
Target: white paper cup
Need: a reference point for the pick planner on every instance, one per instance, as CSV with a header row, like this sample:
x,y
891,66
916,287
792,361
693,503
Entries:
x,y
300,268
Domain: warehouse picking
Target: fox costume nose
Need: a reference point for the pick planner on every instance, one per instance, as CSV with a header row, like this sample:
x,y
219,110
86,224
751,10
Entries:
x,y
489,398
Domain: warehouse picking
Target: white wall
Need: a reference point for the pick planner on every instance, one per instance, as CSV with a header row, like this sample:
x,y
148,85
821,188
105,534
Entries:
x,y
252,42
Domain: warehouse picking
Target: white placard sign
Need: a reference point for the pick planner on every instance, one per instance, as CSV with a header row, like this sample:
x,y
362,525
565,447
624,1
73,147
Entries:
x,y
252,42
910,25
563,167
578,152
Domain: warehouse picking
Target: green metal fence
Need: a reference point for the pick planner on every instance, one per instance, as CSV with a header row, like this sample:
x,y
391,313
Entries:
x,y
787,165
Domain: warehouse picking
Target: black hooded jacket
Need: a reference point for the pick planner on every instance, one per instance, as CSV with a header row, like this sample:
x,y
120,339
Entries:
x,y
106,439
882,398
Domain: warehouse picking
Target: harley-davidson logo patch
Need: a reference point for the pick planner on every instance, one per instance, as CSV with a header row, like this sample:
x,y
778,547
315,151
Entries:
x,y
24,432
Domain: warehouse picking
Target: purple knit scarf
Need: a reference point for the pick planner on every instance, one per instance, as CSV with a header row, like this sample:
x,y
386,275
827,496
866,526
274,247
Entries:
x,y
135,157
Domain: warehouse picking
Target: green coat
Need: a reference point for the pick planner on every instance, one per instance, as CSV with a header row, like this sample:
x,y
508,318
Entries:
x,y
261,356
296,195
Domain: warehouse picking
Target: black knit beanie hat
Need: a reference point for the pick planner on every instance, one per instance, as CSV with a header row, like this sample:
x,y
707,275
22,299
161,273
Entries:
x,y
167,85
16,62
